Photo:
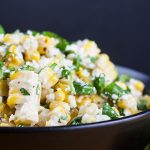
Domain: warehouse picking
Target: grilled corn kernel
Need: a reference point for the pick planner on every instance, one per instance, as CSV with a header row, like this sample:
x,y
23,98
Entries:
x,y
44,44
84,75
59,95
32,55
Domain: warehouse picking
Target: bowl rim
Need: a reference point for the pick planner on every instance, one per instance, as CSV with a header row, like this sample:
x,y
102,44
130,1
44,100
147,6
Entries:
x,y
102,124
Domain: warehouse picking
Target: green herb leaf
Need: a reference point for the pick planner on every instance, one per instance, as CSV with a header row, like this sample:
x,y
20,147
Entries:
x,y
1,74
124,78
37,89
34,33
99,83
24,91
67,52
83,89
52,66
93,59
2,31
1,43
77,62
113,88
27,67
142,104
65,73
108,110
1,64
76,121
6,54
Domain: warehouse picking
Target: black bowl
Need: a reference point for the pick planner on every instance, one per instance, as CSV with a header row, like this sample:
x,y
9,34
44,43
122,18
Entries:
x,y
131,132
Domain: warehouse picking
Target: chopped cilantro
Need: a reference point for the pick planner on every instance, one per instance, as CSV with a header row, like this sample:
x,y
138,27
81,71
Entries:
x,y
24,91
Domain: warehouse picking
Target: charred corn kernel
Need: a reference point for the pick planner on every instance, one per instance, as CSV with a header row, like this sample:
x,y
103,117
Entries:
x,y
139,85
32,55
44,44
59,95
3,88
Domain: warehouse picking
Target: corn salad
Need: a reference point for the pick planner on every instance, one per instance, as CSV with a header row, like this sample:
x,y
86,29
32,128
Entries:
x,y
46,80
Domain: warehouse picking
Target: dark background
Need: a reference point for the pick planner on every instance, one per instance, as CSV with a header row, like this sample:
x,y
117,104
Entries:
x,y
121,28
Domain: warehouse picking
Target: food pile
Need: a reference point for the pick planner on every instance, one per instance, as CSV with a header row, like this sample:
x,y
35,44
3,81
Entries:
x,y
46,80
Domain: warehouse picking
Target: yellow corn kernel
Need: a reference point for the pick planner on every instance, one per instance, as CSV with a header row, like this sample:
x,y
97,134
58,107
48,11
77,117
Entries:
x,y
53,79
122,104
11,101
95,98
83,100
44,44
6,38
59,95
13,49
42,50
14,99
81,75
12,59
55,104
63,85
88,45
104,57
32,55
14,62
3,88
15,75
139,85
